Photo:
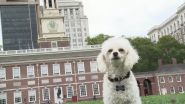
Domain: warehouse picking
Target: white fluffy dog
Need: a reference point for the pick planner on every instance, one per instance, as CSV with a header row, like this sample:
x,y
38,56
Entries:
x,y
116,60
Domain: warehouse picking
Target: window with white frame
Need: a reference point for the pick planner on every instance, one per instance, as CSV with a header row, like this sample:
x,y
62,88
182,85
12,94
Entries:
x,y
16,72
170,78
93,65
83,90
178,78
3,98
181,89
2,74
56,69
161,78
30,71
172,90
69,91
17,97
95,88
32,95
68,69
45,94
80,66
44,70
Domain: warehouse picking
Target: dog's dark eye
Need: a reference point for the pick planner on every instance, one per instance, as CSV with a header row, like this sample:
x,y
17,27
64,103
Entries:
x,y
121,50
110,50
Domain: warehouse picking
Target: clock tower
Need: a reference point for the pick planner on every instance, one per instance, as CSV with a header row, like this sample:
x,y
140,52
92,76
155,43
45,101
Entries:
x,y
52,27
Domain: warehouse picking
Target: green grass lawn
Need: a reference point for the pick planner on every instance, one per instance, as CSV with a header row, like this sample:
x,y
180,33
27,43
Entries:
x,y
167,99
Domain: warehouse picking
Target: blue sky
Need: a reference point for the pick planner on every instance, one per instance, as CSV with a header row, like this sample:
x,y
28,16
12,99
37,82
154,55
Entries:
x,y
126,17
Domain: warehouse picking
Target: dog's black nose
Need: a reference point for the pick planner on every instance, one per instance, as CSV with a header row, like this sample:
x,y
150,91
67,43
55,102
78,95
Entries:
x,y
115,54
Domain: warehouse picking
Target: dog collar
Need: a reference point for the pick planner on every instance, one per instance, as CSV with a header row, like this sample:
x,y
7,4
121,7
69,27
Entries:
x,y
120,78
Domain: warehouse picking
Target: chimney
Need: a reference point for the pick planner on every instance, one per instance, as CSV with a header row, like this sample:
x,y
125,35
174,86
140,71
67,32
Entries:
x,y
160,62
174,61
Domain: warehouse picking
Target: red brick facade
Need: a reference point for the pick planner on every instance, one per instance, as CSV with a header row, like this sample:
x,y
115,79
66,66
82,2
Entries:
x,y
58,44
148,83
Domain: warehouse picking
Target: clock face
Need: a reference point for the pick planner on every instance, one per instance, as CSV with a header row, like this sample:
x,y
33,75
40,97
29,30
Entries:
x,y
52,26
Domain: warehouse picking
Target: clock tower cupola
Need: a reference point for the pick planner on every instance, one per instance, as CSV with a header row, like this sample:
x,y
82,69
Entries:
x,y
52,27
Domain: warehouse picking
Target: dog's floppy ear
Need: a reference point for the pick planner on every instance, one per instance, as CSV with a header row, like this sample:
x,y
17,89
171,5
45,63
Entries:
x,y
132,58
101,63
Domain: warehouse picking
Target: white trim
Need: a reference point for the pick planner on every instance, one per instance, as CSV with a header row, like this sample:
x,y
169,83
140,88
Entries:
x,y
44,70
56,99
3,96
179,77
48,60
67,91
53,85
80,67
81,90
43,94
33,69
57,68
68,68
98,89
4,73
18,94
162,79
182,89
30,93
171,78
52,76
50,50
173,90
1,32
19,72
91,66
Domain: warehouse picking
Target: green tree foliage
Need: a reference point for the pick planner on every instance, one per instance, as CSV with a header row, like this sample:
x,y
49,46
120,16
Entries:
x,y
148,53
99,39
166,49
171,48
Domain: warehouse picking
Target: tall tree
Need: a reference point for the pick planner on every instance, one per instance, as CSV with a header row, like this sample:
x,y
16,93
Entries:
x,y
99,39
170,48
148,53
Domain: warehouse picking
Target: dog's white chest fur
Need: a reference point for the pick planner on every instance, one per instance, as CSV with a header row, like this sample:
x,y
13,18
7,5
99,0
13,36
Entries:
x,y
129,96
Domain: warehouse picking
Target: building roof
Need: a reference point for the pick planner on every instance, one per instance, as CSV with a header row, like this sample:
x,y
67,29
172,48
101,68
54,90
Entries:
x,y
172,68
46,54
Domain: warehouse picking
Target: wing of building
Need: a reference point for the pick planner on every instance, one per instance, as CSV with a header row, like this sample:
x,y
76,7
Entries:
x,y
174,26
69,74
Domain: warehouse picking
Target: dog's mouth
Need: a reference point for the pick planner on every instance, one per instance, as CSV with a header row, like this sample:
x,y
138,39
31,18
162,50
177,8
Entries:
x,y
115,58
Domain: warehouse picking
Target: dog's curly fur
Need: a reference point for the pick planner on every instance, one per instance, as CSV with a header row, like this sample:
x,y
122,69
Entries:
x,y
117,58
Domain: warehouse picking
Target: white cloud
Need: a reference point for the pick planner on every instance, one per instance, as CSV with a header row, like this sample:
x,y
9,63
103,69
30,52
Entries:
x,y
127,17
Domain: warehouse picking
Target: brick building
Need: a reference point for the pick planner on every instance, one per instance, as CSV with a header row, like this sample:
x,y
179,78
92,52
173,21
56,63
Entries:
x,y
54,75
